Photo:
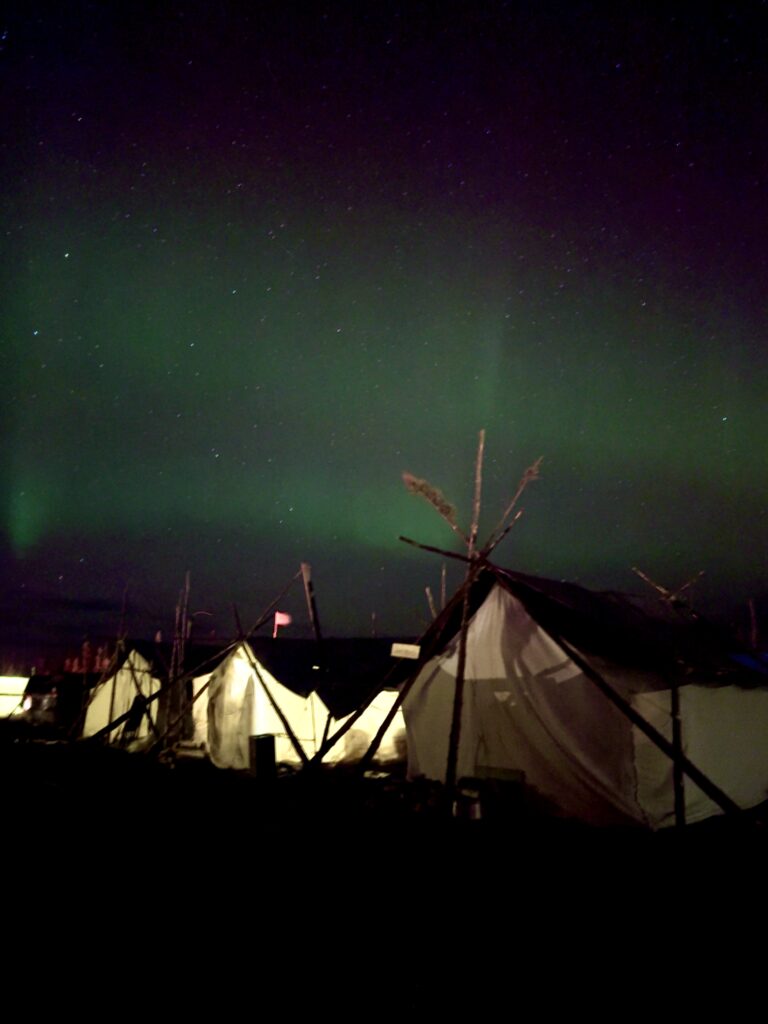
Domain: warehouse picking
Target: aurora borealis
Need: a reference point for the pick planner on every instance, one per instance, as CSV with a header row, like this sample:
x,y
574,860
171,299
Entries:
x,y
262,258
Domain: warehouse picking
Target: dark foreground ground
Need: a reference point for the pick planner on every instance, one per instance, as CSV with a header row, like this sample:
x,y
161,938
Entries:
x,y
137,887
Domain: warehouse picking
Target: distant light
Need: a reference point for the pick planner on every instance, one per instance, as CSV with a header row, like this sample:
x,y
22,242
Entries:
x,y
405,651
11,691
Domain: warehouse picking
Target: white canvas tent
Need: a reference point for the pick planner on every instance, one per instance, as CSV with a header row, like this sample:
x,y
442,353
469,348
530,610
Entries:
x,y
116,695
12,695
529,707
236,705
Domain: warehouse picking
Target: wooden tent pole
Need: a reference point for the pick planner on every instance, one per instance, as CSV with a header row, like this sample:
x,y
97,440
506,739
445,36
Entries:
x,y
404,690
389,718
118,651
106,674
472,570
687,767
152,726
220,657
309,591
402,694
188,676
107,729
678,773
375,743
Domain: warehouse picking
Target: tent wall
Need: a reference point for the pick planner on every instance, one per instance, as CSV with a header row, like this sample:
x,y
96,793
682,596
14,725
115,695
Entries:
x,y
355,742
724,734
12,694
526,707
237,707
200,711
115,696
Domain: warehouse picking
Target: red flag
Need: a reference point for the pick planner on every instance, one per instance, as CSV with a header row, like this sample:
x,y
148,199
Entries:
x,y
281,619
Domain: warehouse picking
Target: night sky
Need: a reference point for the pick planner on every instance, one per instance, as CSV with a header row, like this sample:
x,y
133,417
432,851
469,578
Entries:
x,y
262,258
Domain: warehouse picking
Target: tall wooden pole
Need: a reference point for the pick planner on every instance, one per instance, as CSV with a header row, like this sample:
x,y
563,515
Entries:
x,y
472,569
176,700
309,592
678,773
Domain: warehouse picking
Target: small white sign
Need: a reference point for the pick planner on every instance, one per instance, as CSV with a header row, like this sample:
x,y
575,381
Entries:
x,y
406,651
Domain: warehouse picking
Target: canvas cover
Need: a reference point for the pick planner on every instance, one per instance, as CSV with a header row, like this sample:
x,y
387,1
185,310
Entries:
x,y
528,707
355,742
200,709
237,706
12,694
116,696
724,735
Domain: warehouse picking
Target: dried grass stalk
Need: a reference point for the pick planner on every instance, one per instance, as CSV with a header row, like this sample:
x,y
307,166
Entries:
x,y
436,499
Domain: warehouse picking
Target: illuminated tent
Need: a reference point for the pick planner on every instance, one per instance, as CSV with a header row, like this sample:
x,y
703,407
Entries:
x,y
11,695
244,698
531,704
124,691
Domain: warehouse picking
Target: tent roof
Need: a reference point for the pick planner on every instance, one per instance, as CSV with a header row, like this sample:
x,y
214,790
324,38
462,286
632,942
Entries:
x,y
640,632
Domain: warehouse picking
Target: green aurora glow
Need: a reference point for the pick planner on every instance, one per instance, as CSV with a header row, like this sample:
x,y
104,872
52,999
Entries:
x,y
206,354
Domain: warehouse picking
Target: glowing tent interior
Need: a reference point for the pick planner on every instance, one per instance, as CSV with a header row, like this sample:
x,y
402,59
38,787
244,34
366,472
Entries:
x,y
264,686
535,649
244,698
116,697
